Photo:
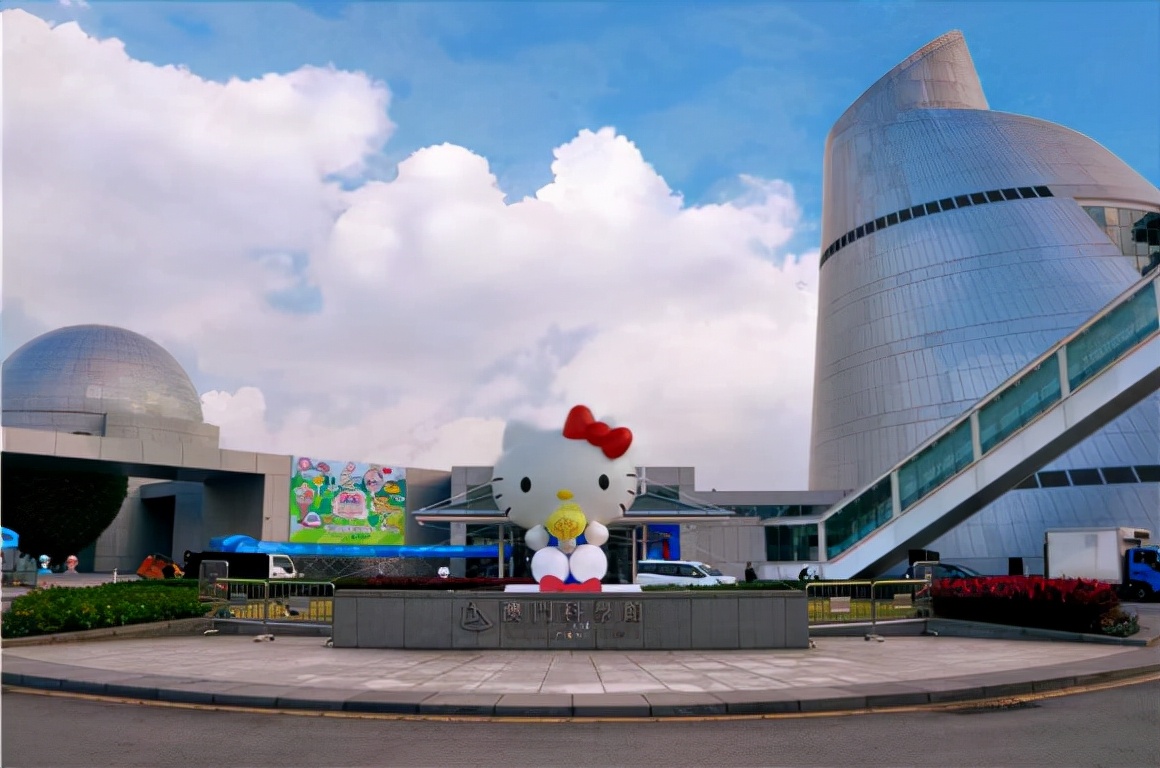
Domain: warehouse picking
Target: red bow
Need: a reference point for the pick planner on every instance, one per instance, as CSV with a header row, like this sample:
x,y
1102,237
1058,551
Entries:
x,y
581,425
553,584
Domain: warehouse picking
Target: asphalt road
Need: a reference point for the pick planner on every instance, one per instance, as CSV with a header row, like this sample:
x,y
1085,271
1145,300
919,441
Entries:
x,y
1117,727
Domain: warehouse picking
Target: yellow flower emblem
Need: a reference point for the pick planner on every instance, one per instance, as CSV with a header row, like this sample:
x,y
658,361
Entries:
x,y
567,522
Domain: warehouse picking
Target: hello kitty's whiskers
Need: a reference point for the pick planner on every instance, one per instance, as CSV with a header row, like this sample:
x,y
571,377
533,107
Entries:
x,y
496,479
632,491
497,496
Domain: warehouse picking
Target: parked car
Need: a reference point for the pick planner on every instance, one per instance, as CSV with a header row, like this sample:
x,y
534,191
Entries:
x,y
943,571
690,573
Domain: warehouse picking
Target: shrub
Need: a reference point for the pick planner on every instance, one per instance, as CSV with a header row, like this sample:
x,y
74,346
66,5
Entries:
x,y
1072,605
1119,623
428,582
70,609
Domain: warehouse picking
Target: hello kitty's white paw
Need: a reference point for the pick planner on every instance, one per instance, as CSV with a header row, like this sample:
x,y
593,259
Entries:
x,y
588,562
550,561
596,533
536,538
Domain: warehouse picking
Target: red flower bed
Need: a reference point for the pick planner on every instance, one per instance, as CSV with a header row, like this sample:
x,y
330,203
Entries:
x,y
428,582
1073,605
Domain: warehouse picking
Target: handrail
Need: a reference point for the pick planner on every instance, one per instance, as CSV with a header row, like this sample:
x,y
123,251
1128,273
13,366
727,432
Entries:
x,y
1052,352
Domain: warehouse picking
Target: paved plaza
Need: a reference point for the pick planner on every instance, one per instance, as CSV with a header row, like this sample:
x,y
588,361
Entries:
x,y
840,673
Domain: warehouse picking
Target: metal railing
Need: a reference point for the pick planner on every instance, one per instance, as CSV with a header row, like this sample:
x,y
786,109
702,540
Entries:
x,y
861,602
269,601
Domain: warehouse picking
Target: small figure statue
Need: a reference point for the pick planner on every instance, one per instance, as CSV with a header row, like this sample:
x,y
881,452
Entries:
x,y
71,564
45,561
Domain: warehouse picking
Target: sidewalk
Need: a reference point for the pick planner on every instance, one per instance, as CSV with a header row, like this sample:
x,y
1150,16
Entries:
x,y
841,673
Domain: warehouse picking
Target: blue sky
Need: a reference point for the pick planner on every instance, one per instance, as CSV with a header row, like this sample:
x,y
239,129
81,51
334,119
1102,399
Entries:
x,y
707,91
407,322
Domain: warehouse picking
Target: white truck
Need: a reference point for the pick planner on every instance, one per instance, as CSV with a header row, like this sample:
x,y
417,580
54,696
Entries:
x,y
1120,556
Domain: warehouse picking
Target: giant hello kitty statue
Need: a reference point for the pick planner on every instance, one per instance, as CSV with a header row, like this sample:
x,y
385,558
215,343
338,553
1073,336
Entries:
x,y
566,484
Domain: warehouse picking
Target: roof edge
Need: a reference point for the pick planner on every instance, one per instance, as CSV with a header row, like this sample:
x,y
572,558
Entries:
x,y
939,75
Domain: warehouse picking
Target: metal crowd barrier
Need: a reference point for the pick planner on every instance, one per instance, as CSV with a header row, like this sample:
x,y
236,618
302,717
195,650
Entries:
x,y
266,601
839,602
852,602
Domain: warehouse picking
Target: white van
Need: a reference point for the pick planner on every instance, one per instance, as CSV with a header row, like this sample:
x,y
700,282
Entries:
x,y
688,573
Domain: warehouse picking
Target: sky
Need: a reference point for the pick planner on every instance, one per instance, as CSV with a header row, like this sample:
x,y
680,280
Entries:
x,y
378,231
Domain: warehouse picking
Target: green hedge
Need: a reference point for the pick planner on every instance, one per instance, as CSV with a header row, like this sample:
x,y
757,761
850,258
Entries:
x,y
476,583
71,609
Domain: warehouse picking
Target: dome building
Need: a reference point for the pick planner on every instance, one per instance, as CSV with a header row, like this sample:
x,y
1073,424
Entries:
x,y
71,379
96,398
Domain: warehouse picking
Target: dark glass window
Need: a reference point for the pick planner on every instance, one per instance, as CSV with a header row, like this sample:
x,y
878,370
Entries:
x,y
859,232
1011,193
978,198
932,207
1148,473
918,210
947,204
1018,405
880,223
858,518
962,201
1026,191
1085,477
904,215
1030,482
1053,479
1117,475
1043,192
994,196
1097,214
869,227
937,463
1111,336
791,543
891,219
850,237
842,242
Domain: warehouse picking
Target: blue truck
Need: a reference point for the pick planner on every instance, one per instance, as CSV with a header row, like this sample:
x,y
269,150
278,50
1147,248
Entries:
x,y
1120,556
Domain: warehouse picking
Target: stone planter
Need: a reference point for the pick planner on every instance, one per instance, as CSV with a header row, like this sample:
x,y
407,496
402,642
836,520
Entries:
x,y
694,620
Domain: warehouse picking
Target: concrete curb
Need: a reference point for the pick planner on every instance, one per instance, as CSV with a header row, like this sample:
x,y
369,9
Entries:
x,y
192,626
957,628
50,676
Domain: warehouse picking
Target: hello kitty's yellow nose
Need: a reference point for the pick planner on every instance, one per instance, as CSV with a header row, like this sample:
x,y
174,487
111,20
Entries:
x,y
563,494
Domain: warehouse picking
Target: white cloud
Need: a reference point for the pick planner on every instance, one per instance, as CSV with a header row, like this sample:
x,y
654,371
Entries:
x,y
175,206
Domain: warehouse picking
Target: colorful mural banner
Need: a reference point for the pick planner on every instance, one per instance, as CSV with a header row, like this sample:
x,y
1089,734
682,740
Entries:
x,y
347,502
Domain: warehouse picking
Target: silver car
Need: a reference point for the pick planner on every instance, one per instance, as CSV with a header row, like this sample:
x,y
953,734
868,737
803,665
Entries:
x,y
689,573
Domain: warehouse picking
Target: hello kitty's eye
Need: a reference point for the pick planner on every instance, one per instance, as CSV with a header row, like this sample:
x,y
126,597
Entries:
x,y
526,484
603,482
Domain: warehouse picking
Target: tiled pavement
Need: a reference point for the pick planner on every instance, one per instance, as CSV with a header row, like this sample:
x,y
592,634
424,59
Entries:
x,y
841,673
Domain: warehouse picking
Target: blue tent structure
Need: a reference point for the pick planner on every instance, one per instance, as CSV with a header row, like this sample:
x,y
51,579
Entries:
x,y
243,543
11,538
